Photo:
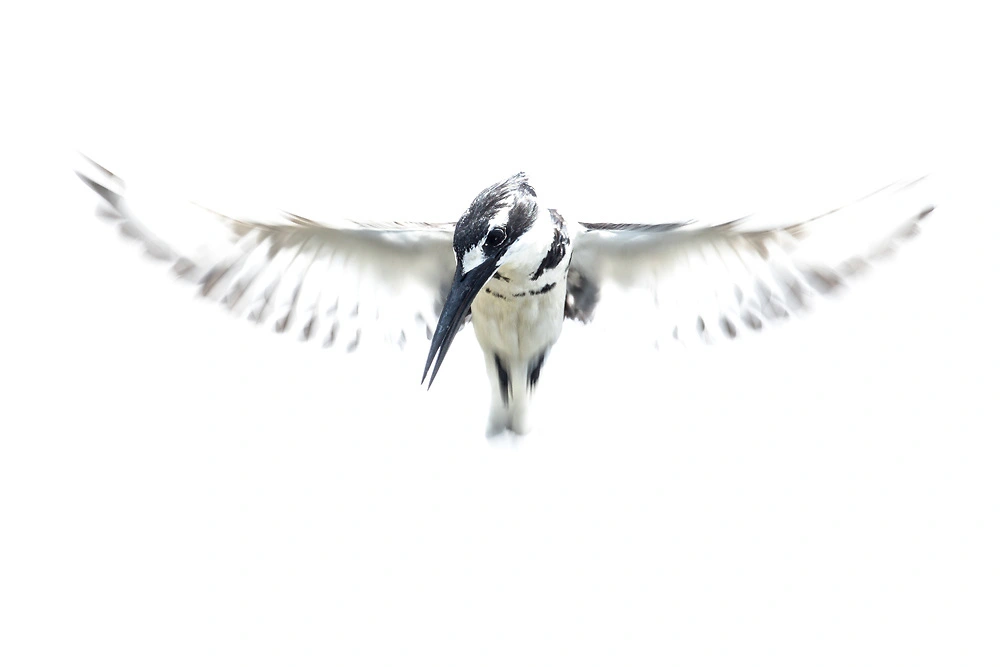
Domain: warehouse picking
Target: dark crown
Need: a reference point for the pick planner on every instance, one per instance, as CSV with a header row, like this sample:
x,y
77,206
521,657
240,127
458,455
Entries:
x,y
515,193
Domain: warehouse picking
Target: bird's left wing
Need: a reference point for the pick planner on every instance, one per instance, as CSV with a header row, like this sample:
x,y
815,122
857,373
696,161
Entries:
x,y
709,281
340,283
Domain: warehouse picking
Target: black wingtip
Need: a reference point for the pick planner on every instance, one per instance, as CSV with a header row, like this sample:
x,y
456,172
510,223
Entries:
x,y
106,193
98,167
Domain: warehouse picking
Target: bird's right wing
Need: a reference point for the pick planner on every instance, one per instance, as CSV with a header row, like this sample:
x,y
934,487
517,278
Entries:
x,y
339,283
709,281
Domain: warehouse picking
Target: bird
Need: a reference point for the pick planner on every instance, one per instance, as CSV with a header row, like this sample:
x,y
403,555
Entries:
x,y
516,269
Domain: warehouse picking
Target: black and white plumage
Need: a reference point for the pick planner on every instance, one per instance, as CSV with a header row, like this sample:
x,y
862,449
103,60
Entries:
x,y
517,269
339,283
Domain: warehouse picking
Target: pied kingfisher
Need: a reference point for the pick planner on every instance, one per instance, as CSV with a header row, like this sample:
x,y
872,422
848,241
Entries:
x,y
516,268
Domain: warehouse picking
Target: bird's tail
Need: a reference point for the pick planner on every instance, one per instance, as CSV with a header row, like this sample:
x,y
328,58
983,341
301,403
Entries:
x,y
511,396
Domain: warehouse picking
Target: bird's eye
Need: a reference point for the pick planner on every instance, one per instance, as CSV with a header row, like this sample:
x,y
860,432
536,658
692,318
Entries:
x,y
495,237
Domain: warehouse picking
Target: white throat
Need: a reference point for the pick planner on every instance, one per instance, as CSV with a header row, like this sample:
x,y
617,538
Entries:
x,y
524,255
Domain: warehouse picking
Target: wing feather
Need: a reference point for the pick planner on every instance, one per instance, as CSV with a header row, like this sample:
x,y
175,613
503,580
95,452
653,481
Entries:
x,y
325,281
712,281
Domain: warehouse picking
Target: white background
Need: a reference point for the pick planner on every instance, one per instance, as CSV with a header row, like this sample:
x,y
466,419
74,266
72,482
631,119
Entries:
x,y
177,487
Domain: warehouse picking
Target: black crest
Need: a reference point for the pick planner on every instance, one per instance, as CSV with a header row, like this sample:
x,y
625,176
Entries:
x,y
515,193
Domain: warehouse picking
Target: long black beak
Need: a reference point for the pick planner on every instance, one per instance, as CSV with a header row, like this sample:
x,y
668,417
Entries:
x,y
463,290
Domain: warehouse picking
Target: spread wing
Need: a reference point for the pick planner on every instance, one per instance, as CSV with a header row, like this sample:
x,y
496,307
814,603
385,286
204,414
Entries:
x,y
709,281
336,283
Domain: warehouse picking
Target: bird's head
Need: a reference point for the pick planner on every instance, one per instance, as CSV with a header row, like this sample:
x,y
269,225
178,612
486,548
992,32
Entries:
x,y
498,229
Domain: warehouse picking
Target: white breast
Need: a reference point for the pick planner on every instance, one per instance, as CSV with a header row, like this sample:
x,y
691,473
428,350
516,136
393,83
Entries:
x,y
513,322
515,316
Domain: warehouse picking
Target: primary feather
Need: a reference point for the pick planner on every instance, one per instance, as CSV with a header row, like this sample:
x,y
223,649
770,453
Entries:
x,y
335,282
710,281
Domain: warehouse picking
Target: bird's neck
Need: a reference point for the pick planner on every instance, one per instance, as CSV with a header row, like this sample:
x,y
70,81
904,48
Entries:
x,y
542,249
